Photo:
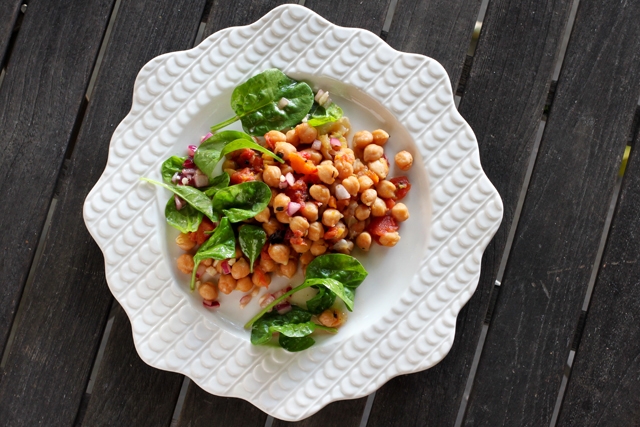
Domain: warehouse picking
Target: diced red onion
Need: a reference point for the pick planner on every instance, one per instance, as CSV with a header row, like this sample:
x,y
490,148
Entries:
x,y
335,143
317,145
207,136
191,149
283,185
319,95
293,207
342,193
266,299
180,203
211,304
322,100
283,103
185,180
245,300
176,177
200,180
343,246
201,270
289,178
189,164
283,307
282,291
225,267
189,171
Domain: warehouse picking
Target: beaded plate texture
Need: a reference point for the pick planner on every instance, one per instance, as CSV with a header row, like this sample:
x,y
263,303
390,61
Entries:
x,y
404,320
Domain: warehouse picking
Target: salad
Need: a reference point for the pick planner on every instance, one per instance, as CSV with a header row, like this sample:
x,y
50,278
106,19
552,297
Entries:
x,y
287,193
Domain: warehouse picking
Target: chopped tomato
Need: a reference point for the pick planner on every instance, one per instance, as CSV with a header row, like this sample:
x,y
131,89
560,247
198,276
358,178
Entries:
x,y
265,252
402,186
380,225
243,175
260,278
243,157
311,178
331,233
257,163
297,240
342,204
390,203
200,236
270,144
300,165
298,192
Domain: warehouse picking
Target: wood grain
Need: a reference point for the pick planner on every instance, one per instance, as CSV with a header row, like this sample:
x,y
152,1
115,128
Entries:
x,y
9,10
562,220
515,54
65,312
604,386
369,14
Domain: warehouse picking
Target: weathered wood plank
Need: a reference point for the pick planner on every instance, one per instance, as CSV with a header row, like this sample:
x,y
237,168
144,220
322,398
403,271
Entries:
x,y
127,391
604,386
65,312
368,14
562,220
441,29
9,10
40,97
515,55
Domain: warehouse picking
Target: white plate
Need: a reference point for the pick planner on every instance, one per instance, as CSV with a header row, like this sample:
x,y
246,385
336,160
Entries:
x,y
405,311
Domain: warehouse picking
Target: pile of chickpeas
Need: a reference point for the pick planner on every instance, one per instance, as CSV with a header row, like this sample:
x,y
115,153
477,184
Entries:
x,y
332,206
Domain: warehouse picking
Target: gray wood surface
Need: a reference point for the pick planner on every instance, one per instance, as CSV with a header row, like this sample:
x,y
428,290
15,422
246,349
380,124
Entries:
x,y
65,311
9,10
368,14
515,55
562,220
604,387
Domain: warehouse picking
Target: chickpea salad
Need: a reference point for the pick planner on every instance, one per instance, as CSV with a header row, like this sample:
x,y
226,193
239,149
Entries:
x,y
290,193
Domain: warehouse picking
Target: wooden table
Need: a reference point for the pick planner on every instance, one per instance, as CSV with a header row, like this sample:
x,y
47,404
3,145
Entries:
x,y
550,337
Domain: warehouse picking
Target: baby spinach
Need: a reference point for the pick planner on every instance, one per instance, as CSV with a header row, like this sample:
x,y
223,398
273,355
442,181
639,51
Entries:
x,y
192,196
170,166
319,115
221,245
218,183
323,300
261,333
295,344
242,201
251,238
343,268
209,152
239,144
255,103
186,219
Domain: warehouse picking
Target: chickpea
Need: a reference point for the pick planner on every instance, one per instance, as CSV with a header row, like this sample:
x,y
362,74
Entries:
x,y
260,278
369,196
365,183
227,284
274,193
292,137
331,318
390,239
283,217
271,226
320,193
299,223
303,247
379,207
268,265
289,269
271,176
264,215
363,212
310,211
386,189
364,241
380,167
357,228
306,133
359,167
285,168
238,251
314,155
327,173
345,169
306,258
207,262
319,247
399,212
185,263
362,139
240,269
330,217
184,242
352,185
208,291
380,137
316,231
244,285
404,160
372,152
279,253
275,136
283,149
281,202
229,164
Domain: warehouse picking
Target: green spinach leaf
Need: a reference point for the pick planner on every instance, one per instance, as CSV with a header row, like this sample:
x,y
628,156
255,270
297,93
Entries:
x,y
255,102
209,152
319,115
239,144
170,166
218,183
343,268
186,219
295,344
251,238
242,201
323,300
260,332
192,196
221,245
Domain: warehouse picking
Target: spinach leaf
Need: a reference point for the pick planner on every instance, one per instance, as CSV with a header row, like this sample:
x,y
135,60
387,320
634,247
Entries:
x,y
295,344
218,183
209,152
251,238
170,166
186,219
260,332
239,144
343,268
221,245
242,201
255,102
192,196
319,115
323,300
